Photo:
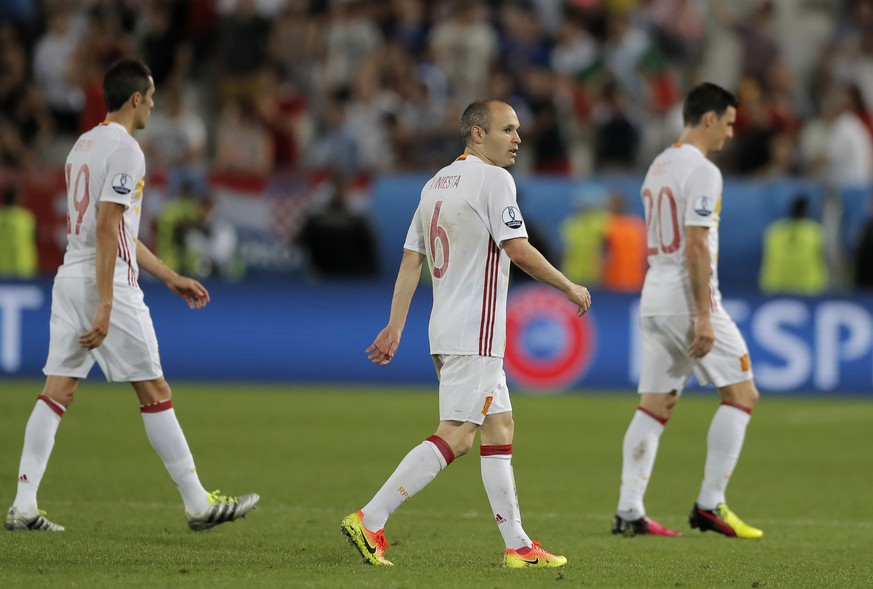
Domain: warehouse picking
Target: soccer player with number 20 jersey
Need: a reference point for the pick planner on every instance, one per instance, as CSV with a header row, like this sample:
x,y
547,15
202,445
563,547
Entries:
x,y
684,327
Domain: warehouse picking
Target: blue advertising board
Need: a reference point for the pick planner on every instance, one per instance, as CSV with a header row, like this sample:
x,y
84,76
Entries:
x,y
310,334
749,207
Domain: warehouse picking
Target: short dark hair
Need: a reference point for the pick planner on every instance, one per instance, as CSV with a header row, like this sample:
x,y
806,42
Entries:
x,y
706,97
124,78
477,114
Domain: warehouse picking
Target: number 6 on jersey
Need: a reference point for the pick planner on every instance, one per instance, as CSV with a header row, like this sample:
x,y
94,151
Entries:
x,y
438,235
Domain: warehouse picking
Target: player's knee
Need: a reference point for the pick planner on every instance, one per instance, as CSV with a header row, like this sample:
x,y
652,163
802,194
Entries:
x,y
750,396
461,447
745,394
509,432
460,442
64,397
153,391
659,405
509,425
499,431
63,394
166,393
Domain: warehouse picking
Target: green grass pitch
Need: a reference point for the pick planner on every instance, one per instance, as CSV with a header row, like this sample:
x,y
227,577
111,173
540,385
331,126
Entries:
x,y
317,453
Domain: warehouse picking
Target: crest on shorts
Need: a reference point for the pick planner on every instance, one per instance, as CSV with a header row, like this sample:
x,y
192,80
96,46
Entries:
x,y
122,183
512,218
704,206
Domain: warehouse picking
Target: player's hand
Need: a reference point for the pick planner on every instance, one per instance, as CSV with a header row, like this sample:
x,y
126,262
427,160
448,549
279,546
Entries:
x,y
99,328
580,296
381,351
194,293
703,337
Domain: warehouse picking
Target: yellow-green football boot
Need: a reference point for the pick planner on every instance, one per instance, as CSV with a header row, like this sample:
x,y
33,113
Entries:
x,y
722,520
371,545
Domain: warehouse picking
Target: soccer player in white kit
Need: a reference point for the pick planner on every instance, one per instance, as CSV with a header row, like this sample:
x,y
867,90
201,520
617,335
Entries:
x,y
684,327
468,227
98,313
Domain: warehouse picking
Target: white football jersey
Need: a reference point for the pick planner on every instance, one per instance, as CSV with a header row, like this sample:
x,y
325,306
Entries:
x,y
465,213
105,165
682,188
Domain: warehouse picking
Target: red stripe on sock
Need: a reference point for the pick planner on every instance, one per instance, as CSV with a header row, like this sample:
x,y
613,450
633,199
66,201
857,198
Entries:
x,y
661,420
740,407
495,450
53,405
156,407
443,447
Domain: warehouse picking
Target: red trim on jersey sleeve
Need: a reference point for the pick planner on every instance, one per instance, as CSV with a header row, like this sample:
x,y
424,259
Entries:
x,y
496,450
443,447
156,407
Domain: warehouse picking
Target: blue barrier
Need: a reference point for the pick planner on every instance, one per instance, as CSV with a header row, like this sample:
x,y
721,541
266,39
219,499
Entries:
x,y
749,207
274,332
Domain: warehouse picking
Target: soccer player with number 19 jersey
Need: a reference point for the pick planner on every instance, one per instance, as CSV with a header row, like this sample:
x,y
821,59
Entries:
x,y
98,313
684,327
468,227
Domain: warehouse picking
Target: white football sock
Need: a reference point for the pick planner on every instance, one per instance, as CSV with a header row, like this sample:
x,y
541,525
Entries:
x,y
165,434
499,481
723,445
39,439
639,450
418,468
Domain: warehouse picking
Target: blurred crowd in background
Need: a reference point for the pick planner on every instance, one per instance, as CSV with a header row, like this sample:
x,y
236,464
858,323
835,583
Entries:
x,y
365,87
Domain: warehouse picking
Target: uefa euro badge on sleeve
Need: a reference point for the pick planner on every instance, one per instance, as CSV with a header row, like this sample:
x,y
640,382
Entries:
x,y
512,218
121,183
703,206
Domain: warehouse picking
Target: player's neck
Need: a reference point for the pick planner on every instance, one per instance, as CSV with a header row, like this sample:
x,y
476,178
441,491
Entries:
x,y
692,137
473,151
122,118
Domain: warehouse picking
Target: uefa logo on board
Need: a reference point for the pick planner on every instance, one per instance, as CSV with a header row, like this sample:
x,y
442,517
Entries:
x,y
548,348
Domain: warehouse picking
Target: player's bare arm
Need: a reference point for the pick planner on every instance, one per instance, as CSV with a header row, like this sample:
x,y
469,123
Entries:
x,y
194,293
381,351
697,260
109,216
529,259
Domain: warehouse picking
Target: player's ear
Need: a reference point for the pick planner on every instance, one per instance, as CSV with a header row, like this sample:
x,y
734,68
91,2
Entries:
x,y
710,118
477,133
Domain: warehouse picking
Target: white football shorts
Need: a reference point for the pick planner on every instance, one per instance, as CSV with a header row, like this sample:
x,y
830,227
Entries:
x,y
471,387
667,363
130,351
